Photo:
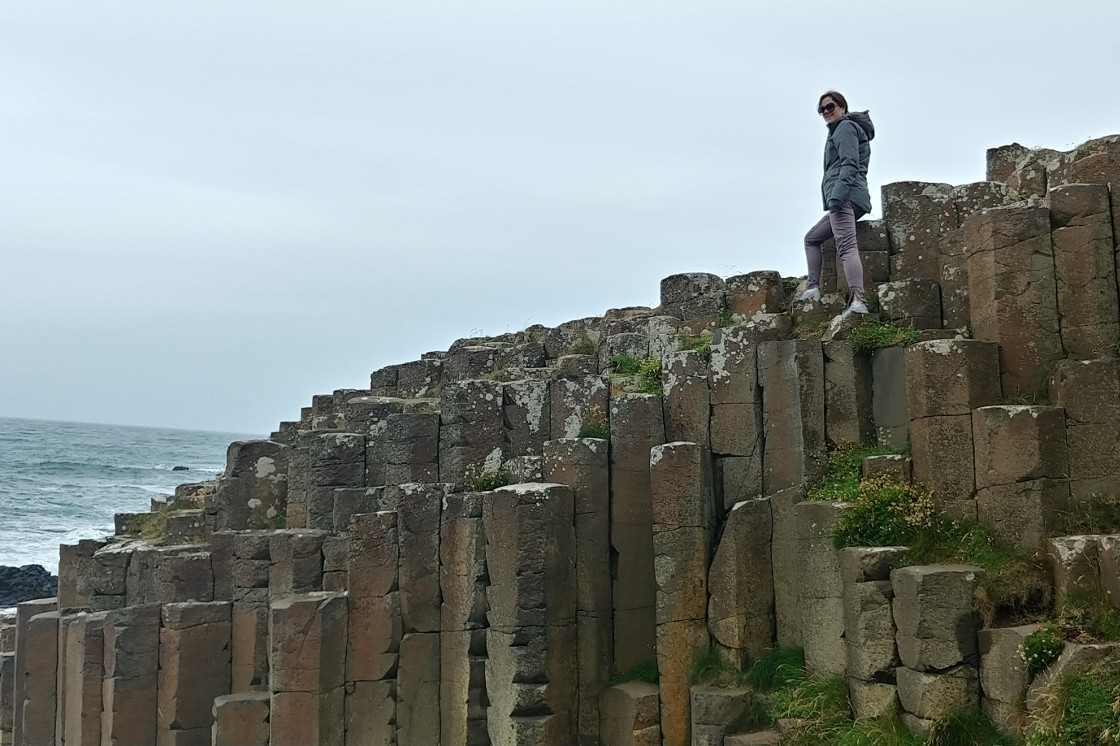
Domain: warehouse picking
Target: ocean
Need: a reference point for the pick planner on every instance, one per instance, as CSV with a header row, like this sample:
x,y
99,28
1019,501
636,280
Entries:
x,y
63,481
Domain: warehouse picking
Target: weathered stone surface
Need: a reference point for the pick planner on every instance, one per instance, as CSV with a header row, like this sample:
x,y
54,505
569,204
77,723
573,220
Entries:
x,y
472,433
889,400
575,402
915,301
528,415
787,550
930,695
418,689
75,564
1013,294
792,376
300,718
869,630
951,377
934,616
684,377
636,426
371,713
917,214
1003,674
629,712
754,292
7,706
847,395
418,520
871,699
249,646
679,643
1086,270
131,669
1019,443
1073,560
1089,391
170,574
942,449
254,488
694,296
530,560
583,465
38,643
741,582
1022,514
1108,555
81,660
717,711
194,667
818,586
308,642
868,564
240,719
297,561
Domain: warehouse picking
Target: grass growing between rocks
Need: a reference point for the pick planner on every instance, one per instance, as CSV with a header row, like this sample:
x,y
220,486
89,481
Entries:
x,y
1088,617
1096,514
480,479
646,672
1081,708
845,469
966,728
876,335
151,527
710,669
596,425
647,371
701,343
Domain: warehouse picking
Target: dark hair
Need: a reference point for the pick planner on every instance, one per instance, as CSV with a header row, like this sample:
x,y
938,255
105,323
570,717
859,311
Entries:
x,y
840,100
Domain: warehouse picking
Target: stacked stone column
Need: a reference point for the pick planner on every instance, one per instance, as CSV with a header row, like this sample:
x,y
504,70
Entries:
x,y
1022,467
792,377
253,491
1089,392
1085,261
683,522
34,691
741,584
308,665
129,702
194,668
945,381
1013,293
81,657
820,603
527,410
373,630
574,400
869,632
335,459
936,637
583,465
684,377
530,666
472,429
636,426
411,448
463,583
736,416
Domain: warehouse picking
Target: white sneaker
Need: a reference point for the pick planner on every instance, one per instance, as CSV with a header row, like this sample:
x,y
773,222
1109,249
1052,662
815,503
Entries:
x,y
857,308
810,295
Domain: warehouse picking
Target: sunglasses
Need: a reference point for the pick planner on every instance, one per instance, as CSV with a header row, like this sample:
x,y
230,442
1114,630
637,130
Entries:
x,y
826,109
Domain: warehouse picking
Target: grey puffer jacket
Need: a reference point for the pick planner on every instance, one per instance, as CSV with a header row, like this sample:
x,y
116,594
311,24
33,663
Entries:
x,y
847,152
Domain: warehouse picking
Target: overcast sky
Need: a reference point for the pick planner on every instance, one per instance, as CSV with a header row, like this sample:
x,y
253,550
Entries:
x,y
211,211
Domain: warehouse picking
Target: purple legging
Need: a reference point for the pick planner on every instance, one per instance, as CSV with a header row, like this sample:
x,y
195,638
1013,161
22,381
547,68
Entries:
x,y
842,226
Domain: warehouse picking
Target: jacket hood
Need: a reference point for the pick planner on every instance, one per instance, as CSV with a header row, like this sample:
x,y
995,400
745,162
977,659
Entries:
x,y
863,120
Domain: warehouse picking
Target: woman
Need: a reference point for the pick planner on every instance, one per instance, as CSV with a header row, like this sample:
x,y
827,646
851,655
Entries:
x,y
847,151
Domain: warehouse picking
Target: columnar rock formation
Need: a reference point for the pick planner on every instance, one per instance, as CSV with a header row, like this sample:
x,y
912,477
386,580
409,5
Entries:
x,y
360,577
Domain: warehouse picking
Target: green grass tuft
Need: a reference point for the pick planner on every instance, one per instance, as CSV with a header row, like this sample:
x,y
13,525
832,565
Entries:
x,y
151,527
1081,708
777,669
481,479
710,669
965,728
845,469
646,672
583,346
1041,648
701,343
873,335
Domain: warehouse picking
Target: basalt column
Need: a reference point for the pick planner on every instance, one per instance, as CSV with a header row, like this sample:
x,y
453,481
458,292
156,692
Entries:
x,y
683,521
463,583
373,631
531,668
418,677
636,426
792,376
583,465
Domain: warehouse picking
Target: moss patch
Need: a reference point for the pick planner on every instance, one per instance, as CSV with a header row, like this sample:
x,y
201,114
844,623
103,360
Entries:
x,y
874,335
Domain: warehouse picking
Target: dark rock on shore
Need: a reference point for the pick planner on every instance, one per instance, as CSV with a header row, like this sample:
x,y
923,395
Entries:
x,y
18,584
